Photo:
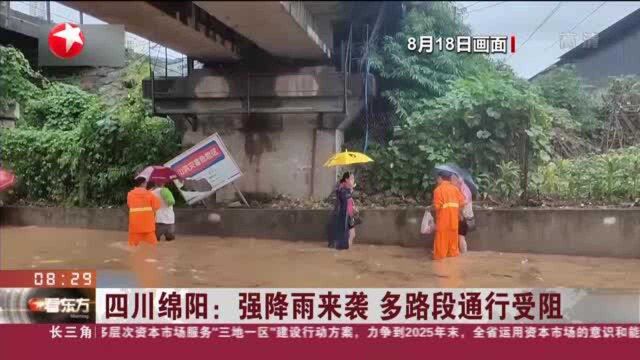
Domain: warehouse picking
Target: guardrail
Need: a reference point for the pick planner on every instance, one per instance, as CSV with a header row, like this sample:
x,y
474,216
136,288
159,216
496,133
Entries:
x,y
259,85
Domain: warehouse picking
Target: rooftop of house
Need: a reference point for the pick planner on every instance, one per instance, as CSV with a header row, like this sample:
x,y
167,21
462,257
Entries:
x,y
608,36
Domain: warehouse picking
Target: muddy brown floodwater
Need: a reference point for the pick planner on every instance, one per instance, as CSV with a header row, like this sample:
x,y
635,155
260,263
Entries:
x,y
205,261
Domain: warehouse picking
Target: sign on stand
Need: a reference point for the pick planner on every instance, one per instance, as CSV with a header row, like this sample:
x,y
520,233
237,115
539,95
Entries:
x,y
205,168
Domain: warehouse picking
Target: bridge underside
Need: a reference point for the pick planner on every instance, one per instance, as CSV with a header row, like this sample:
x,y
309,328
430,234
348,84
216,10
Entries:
x,y
282,28
281,128
227,31
177,25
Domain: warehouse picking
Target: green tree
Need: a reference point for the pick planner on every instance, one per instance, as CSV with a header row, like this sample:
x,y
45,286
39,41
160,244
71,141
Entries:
x,y
480,122
409,76
70,149
18,81
563,89
61,107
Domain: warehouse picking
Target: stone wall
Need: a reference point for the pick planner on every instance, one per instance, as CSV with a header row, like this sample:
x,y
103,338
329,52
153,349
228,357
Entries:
x,y
586,232
107,82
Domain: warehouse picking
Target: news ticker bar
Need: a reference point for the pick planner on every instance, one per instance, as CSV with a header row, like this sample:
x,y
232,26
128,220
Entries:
x,y
310,341
319,306
348,332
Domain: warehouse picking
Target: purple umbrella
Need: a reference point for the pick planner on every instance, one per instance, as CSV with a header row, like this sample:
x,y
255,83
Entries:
x,y
462,173
158,174
6,179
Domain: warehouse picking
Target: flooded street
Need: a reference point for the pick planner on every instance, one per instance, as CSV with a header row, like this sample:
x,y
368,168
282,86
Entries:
x,y
203,261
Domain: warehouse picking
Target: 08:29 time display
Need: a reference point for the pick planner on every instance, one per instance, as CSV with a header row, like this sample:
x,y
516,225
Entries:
x,y
52,279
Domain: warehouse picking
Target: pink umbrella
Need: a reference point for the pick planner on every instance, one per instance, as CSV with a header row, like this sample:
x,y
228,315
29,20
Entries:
x,y
6,179
158,174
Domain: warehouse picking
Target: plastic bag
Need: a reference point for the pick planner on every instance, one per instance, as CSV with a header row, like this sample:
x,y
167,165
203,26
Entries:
x,y
428,224
467,213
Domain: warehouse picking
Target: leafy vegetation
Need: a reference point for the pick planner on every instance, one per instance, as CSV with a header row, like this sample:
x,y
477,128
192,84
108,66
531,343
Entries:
x,y
44,162
452,108
478,113
612,176
69,149
18,81
410,76
562,88
481,121
60,107
506,183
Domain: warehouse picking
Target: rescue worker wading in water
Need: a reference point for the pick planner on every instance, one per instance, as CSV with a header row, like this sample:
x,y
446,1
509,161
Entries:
x,y
447,202
143,205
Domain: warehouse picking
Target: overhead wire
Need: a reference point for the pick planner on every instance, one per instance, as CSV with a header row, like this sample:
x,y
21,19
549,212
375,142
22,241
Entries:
x,y
542,23
555,9
486,7
472,5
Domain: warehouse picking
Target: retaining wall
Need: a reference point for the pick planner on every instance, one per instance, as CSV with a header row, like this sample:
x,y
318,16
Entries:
x,y
588,232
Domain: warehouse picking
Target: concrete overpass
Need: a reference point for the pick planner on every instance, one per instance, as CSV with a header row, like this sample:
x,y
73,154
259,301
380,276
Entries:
x,y
283,28
281,127
226,31
282,117
281,121
178,25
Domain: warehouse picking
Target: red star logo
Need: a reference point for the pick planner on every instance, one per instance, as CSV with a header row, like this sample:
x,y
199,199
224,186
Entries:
x,y
66,40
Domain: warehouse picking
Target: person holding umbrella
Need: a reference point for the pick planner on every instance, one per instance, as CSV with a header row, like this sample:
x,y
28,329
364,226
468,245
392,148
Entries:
x,y
464,181
463,226
343,231
447,202
7,179
344,217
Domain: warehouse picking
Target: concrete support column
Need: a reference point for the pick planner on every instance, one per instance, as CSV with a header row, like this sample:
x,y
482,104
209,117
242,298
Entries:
x,y
328,142
278,154
5,8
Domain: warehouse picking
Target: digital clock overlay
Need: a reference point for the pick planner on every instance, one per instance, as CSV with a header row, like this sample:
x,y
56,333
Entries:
x,y
48,279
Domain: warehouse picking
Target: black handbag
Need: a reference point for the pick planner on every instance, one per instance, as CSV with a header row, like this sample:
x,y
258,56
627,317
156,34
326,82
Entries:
x,y
471,223
354,221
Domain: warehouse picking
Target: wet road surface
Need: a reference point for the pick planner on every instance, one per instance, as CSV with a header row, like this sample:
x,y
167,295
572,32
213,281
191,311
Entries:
x,y
204,261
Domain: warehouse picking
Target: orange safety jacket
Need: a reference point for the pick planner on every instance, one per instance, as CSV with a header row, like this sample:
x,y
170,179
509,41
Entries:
x,y
143,205
448,201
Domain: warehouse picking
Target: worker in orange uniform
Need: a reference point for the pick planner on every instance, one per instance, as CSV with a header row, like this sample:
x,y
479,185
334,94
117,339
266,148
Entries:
x,y
143,205
448,201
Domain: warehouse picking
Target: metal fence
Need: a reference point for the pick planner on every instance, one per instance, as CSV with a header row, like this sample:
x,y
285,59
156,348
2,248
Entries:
x,y
166,62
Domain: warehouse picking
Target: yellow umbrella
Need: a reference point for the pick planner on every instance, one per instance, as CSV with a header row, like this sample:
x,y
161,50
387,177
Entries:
x,y
347,158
